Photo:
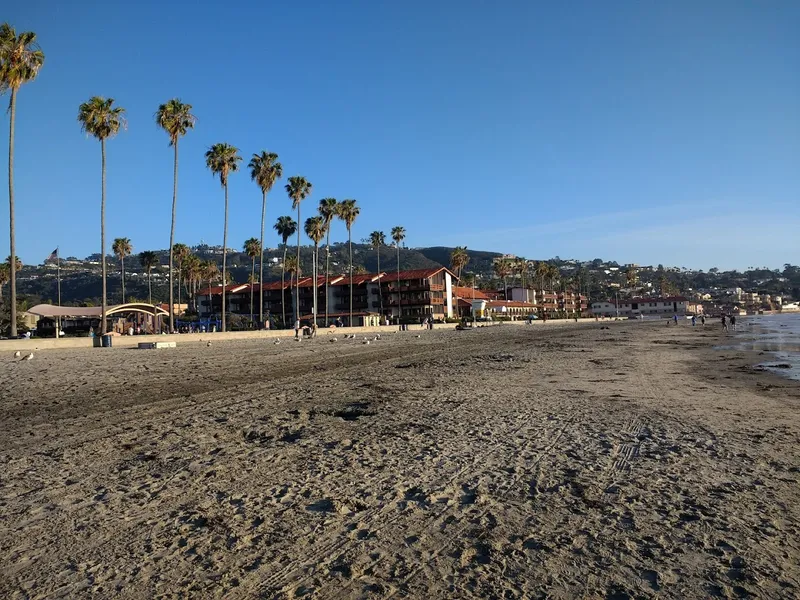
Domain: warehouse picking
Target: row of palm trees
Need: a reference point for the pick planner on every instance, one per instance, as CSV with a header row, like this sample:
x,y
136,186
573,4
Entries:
x,y
506,267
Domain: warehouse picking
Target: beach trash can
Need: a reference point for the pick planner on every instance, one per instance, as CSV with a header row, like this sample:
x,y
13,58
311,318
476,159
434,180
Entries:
x,y
107,341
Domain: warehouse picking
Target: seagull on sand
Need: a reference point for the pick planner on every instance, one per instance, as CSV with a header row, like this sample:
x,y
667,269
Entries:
x,y
333,340
28,356
366,341
277,342
208,344
418,335
17,354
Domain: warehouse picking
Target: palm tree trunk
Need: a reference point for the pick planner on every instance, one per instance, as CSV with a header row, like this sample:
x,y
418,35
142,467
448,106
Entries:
x,y
316,258
179,283
149,286
103,234
399,297
350,243
380,294
327,269
283,284
122,261
297,279
252,284
224,257
172,238
261,262
12,268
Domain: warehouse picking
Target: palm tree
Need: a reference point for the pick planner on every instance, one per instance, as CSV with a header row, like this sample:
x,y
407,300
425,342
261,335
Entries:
x,y
328,208
98,117
176,118
376,240
503,268
398,235
315,229
541,271
522,268
149,259
188,270
265,170
298,189
554,274
252,248
348,212
20,62
292,267
285,226
209,270
180,252
122,248
459,259
222,160
631,278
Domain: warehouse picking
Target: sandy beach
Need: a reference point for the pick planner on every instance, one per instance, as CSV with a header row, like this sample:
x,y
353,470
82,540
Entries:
x,y
611,460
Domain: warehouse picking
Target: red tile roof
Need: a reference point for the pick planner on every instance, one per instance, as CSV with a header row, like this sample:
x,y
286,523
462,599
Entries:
x,y
415,274
468,293
357,279
509,304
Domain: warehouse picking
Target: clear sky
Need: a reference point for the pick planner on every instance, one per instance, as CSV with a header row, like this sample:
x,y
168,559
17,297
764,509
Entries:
x,y
648,132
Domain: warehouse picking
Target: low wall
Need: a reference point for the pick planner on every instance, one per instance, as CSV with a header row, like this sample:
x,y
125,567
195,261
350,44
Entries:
x,y
128,341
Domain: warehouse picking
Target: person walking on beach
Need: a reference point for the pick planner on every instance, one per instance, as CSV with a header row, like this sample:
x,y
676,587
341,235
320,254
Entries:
x,y
733,322
703,320
675,318
297,328
694,320
724,323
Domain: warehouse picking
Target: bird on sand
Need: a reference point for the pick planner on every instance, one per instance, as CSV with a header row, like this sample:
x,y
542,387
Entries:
x,y
277,342
418,335
28,356
333,340
366,341
17,354
208,344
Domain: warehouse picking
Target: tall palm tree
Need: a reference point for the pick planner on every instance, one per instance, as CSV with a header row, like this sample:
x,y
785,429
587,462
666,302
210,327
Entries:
x,y
149,260
293,268
100,118
377,239
209,270
503,268
252,247
315,229
265,170
553,273
328,208
222,160
298,189
459,259
180,253
398,235
542,270
188,268
348,212
176,118
122,248
286,227
20,62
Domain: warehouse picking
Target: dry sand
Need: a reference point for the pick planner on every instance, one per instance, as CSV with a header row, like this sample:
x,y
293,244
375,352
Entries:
x,y
508,462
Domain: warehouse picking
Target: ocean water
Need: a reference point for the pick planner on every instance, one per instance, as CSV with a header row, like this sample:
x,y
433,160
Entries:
x,y
778,335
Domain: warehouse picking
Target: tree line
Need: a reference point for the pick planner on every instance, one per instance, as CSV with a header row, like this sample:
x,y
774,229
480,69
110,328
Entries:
x,y
21,60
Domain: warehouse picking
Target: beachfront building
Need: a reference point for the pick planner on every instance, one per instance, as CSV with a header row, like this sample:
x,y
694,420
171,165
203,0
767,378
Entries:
x,y
465,298
634,307
510,309
419,293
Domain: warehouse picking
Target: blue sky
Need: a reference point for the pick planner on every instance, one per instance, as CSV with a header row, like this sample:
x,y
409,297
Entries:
x,y
637,131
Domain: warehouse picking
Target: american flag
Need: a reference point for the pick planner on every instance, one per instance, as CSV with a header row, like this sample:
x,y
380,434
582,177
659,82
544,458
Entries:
x,y
53,256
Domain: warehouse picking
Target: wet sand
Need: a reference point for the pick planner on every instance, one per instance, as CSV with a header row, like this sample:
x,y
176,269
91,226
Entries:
x,y
507,462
